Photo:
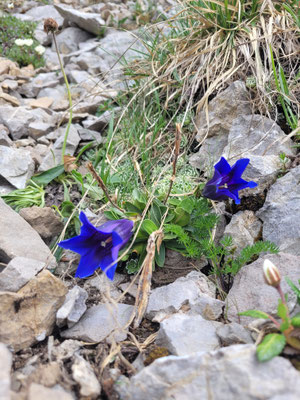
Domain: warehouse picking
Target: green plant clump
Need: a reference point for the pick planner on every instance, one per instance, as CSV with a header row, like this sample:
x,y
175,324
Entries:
x,y
13,29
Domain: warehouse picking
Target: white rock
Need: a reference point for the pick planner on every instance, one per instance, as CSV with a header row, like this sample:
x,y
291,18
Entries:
x,y
101,321
281,213
230,373
184,334
16,166
72,144
73,308
169,299
250,292
244,229
18,272
84,375
18,238
90,22
39,392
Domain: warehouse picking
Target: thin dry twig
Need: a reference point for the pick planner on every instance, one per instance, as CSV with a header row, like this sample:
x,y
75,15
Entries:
x,y
176,154
102,185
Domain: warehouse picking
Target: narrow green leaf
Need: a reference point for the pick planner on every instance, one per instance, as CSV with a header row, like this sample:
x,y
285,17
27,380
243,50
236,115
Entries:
x,y
254,314
46,177
293,286
270,347
155,214
160,257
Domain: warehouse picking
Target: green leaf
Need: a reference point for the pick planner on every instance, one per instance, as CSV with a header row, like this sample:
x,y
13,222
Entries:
x,y
188,205
182,217
293,286
139,199
254,314
160,257
46,177
155,214
131,207
296,321
270,347
148,226
67,208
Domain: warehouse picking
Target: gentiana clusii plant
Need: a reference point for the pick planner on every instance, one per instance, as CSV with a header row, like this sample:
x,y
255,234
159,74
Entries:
x,y
99,246
227,181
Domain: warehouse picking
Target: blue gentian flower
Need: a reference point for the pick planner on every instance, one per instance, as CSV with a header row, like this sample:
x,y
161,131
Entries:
x,y
227,181
99,247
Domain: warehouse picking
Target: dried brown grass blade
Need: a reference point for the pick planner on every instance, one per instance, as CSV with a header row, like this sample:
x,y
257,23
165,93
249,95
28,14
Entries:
x,y
144,286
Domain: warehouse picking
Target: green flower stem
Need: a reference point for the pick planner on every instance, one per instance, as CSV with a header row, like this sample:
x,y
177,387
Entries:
x,y
281,294
69,98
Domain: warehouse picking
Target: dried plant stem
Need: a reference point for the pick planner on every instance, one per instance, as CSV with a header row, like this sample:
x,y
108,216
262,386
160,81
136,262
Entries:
x,y
102,185
69,98
176,154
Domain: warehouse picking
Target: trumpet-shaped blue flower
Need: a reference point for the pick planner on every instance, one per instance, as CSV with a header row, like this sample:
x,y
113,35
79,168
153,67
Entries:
x,y
227,181
99,247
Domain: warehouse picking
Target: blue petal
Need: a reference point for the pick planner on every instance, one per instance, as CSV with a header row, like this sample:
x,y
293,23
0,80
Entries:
x,y
224,193
223,167
238,169
80,245
123,227
215,180
108,263
87,229
89,263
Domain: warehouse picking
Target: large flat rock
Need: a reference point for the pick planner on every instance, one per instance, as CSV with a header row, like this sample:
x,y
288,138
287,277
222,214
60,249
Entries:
x,y
230,373
19,239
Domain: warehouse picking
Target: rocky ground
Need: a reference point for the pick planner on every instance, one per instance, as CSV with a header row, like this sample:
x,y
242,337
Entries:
x,y
66,338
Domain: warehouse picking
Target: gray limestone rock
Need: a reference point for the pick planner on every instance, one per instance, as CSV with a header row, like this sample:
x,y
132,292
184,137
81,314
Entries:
x,y
223,110
4,138
41,81
38,129
233,333
281,212
184,334
73,308
39,392
41,12
69,39
84,375
208,307
250,292
17,119
19,271
5,366
18,238
169,299
100,322
244,229
72,144
113,49
229,373
16,166
90,22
